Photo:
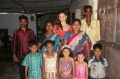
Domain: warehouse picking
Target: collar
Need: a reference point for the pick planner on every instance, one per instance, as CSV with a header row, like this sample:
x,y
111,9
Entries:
x,y
22,30
33,54
91,19
96,60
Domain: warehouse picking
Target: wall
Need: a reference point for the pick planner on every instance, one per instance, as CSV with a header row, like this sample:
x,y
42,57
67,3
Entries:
x,y
78,4
109,15
11,22
46,17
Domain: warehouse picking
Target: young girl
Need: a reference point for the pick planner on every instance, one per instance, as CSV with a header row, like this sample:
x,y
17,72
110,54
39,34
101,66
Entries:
x,y
66,68
50,62
81,68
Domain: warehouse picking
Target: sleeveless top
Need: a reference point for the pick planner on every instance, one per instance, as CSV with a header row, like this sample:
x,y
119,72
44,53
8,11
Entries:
x,y
66,66
50,63
80,71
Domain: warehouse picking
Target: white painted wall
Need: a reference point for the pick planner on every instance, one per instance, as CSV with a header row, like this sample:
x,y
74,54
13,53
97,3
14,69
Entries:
x,y
11,22
78,13
78,4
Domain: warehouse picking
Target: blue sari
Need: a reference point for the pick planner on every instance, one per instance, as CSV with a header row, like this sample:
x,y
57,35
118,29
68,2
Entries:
x,y
53,37
77,41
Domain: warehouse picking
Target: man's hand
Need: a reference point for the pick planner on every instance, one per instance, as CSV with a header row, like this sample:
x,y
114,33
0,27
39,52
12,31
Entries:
x,y
26,78
15,59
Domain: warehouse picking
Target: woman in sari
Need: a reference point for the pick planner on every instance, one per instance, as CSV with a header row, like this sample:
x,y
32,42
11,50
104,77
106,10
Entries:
x,y
77,39
49,35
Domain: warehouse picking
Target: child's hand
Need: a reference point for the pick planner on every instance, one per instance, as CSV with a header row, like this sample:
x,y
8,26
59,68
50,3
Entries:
x,y
88,58
57,76
44,76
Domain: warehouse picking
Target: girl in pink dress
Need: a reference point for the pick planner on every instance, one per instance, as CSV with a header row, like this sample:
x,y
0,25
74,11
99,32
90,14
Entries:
x,y
61,26
81,68
66,63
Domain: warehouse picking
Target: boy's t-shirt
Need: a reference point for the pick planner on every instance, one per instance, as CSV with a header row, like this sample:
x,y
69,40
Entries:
x,y
97,68
33,61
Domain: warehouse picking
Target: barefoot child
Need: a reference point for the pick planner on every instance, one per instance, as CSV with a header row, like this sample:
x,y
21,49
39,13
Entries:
x,y
50,62
97,63
33,62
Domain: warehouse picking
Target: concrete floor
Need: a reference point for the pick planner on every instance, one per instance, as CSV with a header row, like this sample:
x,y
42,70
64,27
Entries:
x,y
8,72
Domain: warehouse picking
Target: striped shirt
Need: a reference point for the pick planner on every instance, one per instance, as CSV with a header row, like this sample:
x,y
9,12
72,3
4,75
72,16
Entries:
x,y
93,31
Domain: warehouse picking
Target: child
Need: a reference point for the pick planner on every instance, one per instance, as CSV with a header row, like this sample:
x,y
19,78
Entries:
x,y
50,62
81,67
97,63
33,62
66,69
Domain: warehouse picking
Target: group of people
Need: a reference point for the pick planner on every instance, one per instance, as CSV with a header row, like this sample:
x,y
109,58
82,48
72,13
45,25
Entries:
x,y
63,52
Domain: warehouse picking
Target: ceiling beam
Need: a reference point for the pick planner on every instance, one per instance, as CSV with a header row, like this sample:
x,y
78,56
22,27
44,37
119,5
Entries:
x,y
65,6
21,10
40,1
71,1
19,7
37,11
18,3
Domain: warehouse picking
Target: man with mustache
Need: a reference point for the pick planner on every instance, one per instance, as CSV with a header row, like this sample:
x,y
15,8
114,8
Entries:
x,y
21,38
91,26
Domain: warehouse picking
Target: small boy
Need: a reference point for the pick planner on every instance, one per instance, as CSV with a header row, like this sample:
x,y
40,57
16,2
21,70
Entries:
x,y
97,63
33,62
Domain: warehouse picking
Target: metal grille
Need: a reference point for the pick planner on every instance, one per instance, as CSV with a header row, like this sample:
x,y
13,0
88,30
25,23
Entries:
x,y
33,6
